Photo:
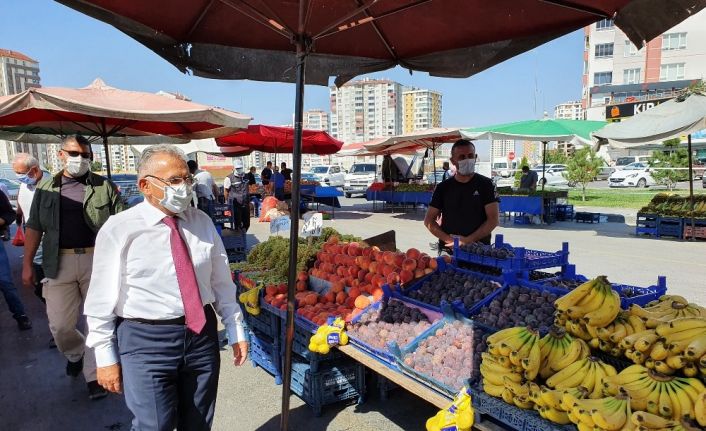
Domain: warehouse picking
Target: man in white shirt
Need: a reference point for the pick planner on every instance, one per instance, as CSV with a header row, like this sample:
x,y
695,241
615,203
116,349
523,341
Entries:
x,y
29,174
236,192
204,185
159,271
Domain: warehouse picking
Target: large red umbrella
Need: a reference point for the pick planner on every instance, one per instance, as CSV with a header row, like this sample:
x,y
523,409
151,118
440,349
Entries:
x,y
103,111
272,139
308,41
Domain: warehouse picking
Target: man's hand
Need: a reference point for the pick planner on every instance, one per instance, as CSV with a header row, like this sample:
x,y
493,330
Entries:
x,y
109,377
240,353
28,280
450,242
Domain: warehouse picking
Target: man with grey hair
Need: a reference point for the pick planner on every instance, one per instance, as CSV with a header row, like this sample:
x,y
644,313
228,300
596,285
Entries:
x,y
29,174
66,213
160,275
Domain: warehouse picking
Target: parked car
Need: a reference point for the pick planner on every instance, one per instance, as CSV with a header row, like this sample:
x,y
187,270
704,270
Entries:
x,y
360,177
633,175
127,186
553,175
699,168
331,175
604,173
309,176
622,162
439,177
13,189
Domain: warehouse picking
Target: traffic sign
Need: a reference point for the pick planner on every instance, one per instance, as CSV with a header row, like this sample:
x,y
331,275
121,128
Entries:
x,y
511,155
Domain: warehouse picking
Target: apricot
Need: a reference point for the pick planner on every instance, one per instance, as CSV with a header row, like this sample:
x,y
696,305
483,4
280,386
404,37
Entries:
x,y
406,276
413,253
409,264
354,292
340,298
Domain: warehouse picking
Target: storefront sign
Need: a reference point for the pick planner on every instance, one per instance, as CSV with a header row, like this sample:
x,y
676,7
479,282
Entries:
x,y
623,110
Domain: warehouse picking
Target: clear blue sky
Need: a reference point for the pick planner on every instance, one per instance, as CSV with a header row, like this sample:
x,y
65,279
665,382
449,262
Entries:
x,y
73,49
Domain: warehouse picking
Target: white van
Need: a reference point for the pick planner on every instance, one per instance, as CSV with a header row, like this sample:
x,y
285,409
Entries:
x,y
621,162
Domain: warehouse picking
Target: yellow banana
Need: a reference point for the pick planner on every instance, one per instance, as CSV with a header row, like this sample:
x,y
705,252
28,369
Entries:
x,y
532,362
700,409
503,334
665,404
609,309
649,420
492,390
516,388
507,396
613,416
659,351
697,347
523,402
574,296
675,362
680,325
690,370
569,373
573,354
555,415
646,341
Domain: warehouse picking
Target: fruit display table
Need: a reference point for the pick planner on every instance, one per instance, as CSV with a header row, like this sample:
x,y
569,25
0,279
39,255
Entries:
x,y
530,205
322,195
392,197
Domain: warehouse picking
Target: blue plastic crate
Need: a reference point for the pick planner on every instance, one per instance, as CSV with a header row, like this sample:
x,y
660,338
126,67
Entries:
x,y
671,226
523,260
264,352
266,323
587,217
443,266
236,241
522,220
385,356
300,347
331,384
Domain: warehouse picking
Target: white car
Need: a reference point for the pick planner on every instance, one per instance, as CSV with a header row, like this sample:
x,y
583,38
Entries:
x,y
331,175
360,177
633,175
553,175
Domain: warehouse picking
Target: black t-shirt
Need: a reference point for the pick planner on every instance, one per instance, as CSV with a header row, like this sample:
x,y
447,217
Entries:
x,y
74,232
251,178
462,205
266,176
287,173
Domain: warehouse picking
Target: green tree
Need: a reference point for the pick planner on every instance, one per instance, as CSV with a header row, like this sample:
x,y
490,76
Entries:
x,y
556,157
667,166
582,168
96,166
518,172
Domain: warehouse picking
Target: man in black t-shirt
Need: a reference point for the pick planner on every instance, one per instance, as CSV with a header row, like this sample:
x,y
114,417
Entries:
x,y
467,202
266,174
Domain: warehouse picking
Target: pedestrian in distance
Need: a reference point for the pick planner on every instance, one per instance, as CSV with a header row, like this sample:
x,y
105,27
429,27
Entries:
x,y
447,172
467,202
285,171
66,213
278,181
204,186
251,176
7,285
159,272
266,174
528,180
236,191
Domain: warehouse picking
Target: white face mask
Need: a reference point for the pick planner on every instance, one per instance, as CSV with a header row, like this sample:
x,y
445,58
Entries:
x,y
466,167
176,198
77,166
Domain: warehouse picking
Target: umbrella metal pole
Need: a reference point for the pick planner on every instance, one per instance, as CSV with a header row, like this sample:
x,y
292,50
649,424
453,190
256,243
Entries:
x,y
107,156
691,186
433,157
294,229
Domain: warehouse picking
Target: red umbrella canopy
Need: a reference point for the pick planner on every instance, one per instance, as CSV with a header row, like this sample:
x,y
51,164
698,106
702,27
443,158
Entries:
x,y
272,139
231,39
101,110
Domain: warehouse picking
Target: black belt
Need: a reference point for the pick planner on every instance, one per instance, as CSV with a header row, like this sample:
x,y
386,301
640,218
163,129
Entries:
x,y
176,321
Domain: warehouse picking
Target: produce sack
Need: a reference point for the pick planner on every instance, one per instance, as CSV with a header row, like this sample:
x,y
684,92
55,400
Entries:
x,y
19,239
268,203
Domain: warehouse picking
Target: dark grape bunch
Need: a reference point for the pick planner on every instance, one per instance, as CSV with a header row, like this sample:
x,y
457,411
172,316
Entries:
x,y
488,250
519,306
541,275
446,356
395,322
450,286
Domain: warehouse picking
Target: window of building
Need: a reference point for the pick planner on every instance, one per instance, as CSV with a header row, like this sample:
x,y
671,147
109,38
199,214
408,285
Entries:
x,y
632,76
671,72
604,24
630,50
604,50
673,41
602,78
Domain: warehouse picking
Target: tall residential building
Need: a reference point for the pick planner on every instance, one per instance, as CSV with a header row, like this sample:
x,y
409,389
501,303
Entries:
x,y
421,109
500,148
18,72
569,111
316,119
366,109
619,80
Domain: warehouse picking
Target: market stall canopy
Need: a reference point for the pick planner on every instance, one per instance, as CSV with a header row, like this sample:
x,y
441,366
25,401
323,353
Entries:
x,y
427,138
544,130
253,40
674,118
206,146
272,139
31,138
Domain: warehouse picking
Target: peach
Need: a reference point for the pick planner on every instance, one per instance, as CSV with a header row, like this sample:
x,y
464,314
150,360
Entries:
x,y
393,278
337,287
301,286
413,253
409,264
388,257
387,269
369,276
340,298
406,276
399,259
423,262
344,249
362,274
353,270
302,276
447,258
354,292
433,264
373,267
367,251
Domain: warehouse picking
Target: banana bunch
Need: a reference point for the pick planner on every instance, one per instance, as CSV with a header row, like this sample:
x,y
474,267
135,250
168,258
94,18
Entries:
x,y
511,363
666,309
251,299
700,409
558,350
611,413
644,421
667,396
609,339
457,416
588,372
549,402
590,306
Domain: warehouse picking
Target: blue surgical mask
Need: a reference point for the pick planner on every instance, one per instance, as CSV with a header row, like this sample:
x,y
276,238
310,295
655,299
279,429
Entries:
x,y
26,179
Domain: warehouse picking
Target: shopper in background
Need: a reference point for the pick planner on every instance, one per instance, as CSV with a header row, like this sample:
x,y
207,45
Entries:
x,y
160,270
251,176
285,171
204,186
278,180
467,202
29,174
7,285
67,212
236,191
447,172
528,180
266,174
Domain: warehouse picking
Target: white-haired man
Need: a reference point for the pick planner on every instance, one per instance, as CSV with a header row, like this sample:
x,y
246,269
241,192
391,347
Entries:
x,y
160,270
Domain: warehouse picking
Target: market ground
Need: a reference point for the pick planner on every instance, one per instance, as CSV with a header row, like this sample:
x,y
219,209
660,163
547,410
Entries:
x,y
35,395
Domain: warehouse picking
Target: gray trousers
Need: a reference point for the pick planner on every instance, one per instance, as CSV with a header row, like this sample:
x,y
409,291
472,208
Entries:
x,y
170,374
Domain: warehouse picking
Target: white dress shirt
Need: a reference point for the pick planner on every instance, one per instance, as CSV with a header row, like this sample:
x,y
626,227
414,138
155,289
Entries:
x,y
134,276
203,185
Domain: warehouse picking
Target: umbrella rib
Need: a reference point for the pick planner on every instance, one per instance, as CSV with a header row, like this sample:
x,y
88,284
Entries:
x,y
337,28
199,19
258,16
343,19
378,31
576,7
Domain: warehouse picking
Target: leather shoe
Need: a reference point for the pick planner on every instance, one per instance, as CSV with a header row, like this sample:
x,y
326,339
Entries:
x,y
23,322
73,369
96,391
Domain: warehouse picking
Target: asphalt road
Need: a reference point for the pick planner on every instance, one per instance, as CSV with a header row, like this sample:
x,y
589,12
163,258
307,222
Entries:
x,y
36,395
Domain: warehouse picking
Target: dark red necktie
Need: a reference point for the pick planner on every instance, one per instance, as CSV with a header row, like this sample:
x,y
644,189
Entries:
x,y
186,278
